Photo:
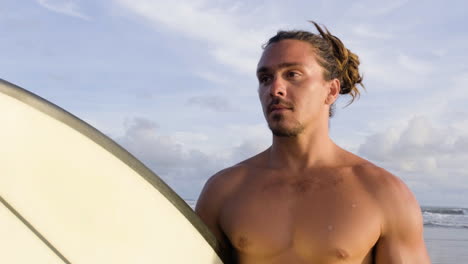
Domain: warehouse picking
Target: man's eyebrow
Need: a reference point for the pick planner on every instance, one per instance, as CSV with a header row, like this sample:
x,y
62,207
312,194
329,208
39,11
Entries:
x,y
279,66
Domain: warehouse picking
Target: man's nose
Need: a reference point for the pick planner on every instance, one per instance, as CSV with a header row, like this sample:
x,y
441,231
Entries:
x,y
278,87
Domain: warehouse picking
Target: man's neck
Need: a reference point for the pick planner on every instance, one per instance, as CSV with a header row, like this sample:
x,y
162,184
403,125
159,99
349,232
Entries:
x,y
304,151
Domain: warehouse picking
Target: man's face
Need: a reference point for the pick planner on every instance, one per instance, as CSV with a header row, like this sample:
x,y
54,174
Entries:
x,y
292,89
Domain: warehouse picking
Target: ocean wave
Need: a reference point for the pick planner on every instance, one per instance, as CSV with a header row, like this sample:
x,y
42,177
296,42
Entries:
x,y
446,225
446,211
441,219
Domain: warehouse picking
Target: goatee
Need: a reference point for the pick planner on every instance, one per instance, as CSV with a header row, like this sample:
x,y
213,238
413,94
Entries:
x,y
282,131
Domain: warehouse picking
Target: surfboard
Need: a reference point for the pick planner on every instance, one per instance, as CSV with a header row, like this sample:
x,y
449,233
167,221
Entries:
x,y
70,194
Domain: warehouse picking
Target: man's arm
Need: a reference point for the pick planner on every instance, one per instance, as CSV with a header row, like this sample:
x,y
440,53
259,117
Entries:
x,y
208,208
401,240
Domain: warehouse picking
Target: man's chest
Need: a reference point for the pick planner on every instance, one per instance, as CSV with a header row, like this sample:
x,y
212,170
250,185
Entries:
x,y
312,218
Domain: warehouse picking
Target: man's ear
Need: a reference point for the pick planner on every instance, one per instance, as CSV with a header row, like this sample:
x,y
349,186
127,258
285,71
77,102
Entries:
x,y
333,91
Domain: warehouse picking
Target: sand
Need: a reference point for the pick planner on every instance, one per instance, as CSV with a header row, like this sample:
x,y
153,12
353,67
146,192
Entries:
x,y
447,245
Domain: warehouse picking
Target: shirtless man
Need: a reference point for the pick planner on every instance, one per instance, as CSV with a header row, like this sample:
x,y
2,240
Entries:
x,y
305,199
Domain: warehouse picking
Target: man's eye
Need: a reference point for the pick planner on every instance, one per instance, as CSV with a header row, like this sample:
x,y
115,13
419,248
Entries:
x,y
293,74
263,78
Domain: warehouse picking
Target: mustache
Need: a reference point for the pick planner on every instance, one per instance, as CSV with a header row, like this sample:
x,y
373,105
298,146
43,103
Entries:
x,y
280,102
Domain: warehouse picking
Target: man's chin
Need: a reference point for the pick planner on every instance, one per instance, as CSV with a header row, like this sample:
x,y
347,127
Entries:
x,y
286,132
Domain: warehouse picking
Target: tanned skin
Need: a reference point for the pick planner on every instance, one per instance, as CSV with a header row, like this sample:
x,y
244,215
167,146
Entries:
x,y
305,199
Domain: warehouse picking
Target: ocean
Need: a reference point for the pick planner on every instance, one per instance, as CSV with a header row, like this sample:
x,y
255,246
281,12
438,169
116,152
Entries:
x,y
449,217
445,233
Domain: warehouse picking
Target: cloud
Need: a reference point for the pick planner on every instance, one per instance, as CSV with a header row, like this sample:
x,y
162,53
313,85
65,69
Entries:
x,y
251,140
225,27
184,166
211,77
379,145
143,139
373,8
423,154
185,138
215,103
367,31
65,7
458,87
429,158
246,149
442,97
414,65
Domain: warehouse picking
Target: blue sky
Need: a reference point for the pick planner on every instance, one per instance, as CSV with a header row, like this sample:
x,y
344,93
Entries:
x,y
174,81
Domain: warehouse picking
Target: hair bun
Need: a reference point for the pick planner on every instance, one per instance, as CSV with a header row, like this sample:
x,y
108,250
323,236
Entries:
x,y
347,62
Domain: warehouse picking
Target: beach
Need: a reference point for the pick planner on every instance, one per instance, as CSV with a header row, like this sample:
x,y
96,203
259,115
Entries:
x,y
447,245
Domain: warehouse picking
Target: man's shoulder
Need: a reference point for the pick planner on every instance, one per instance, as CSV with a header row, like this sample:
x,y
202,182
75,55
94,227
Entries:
x,y
235,175
226,181
380,181
395,200
367,172
401,222
228,177
216,191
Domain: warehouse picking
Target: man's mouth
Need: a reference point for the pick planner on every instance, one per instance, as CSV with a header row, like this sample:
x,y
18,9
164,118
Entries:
x,y
278,105
278,108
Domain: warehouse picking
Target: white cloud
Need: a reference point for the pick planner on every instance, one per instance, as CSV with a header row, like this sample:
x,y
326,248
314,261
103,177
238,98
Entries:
x,y
376,8
423,154
246,141
458,87
143,139
367,31
188,138
215,103
382,68
182,167
396,70
246,149
426,156
224,26
178,159
211,76
380,145
414,65
419,133
66,7
442,98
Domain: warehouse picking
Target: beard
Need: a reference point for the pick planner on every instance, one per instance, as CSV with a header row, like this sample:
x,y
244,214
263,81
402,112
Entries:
x,y
280,130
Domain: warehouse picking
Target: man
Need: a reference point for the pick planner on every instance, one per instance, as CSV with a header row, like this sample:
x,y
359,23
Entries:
x,y
304,199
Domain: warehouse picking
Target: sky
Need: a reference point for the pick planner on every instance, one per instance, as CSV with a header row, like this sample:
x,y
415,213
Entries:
x,y
174,82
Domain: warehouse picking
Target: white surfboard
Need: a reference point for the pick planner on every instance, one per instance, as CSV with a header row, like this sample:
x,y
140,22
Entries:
x,y
69,194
